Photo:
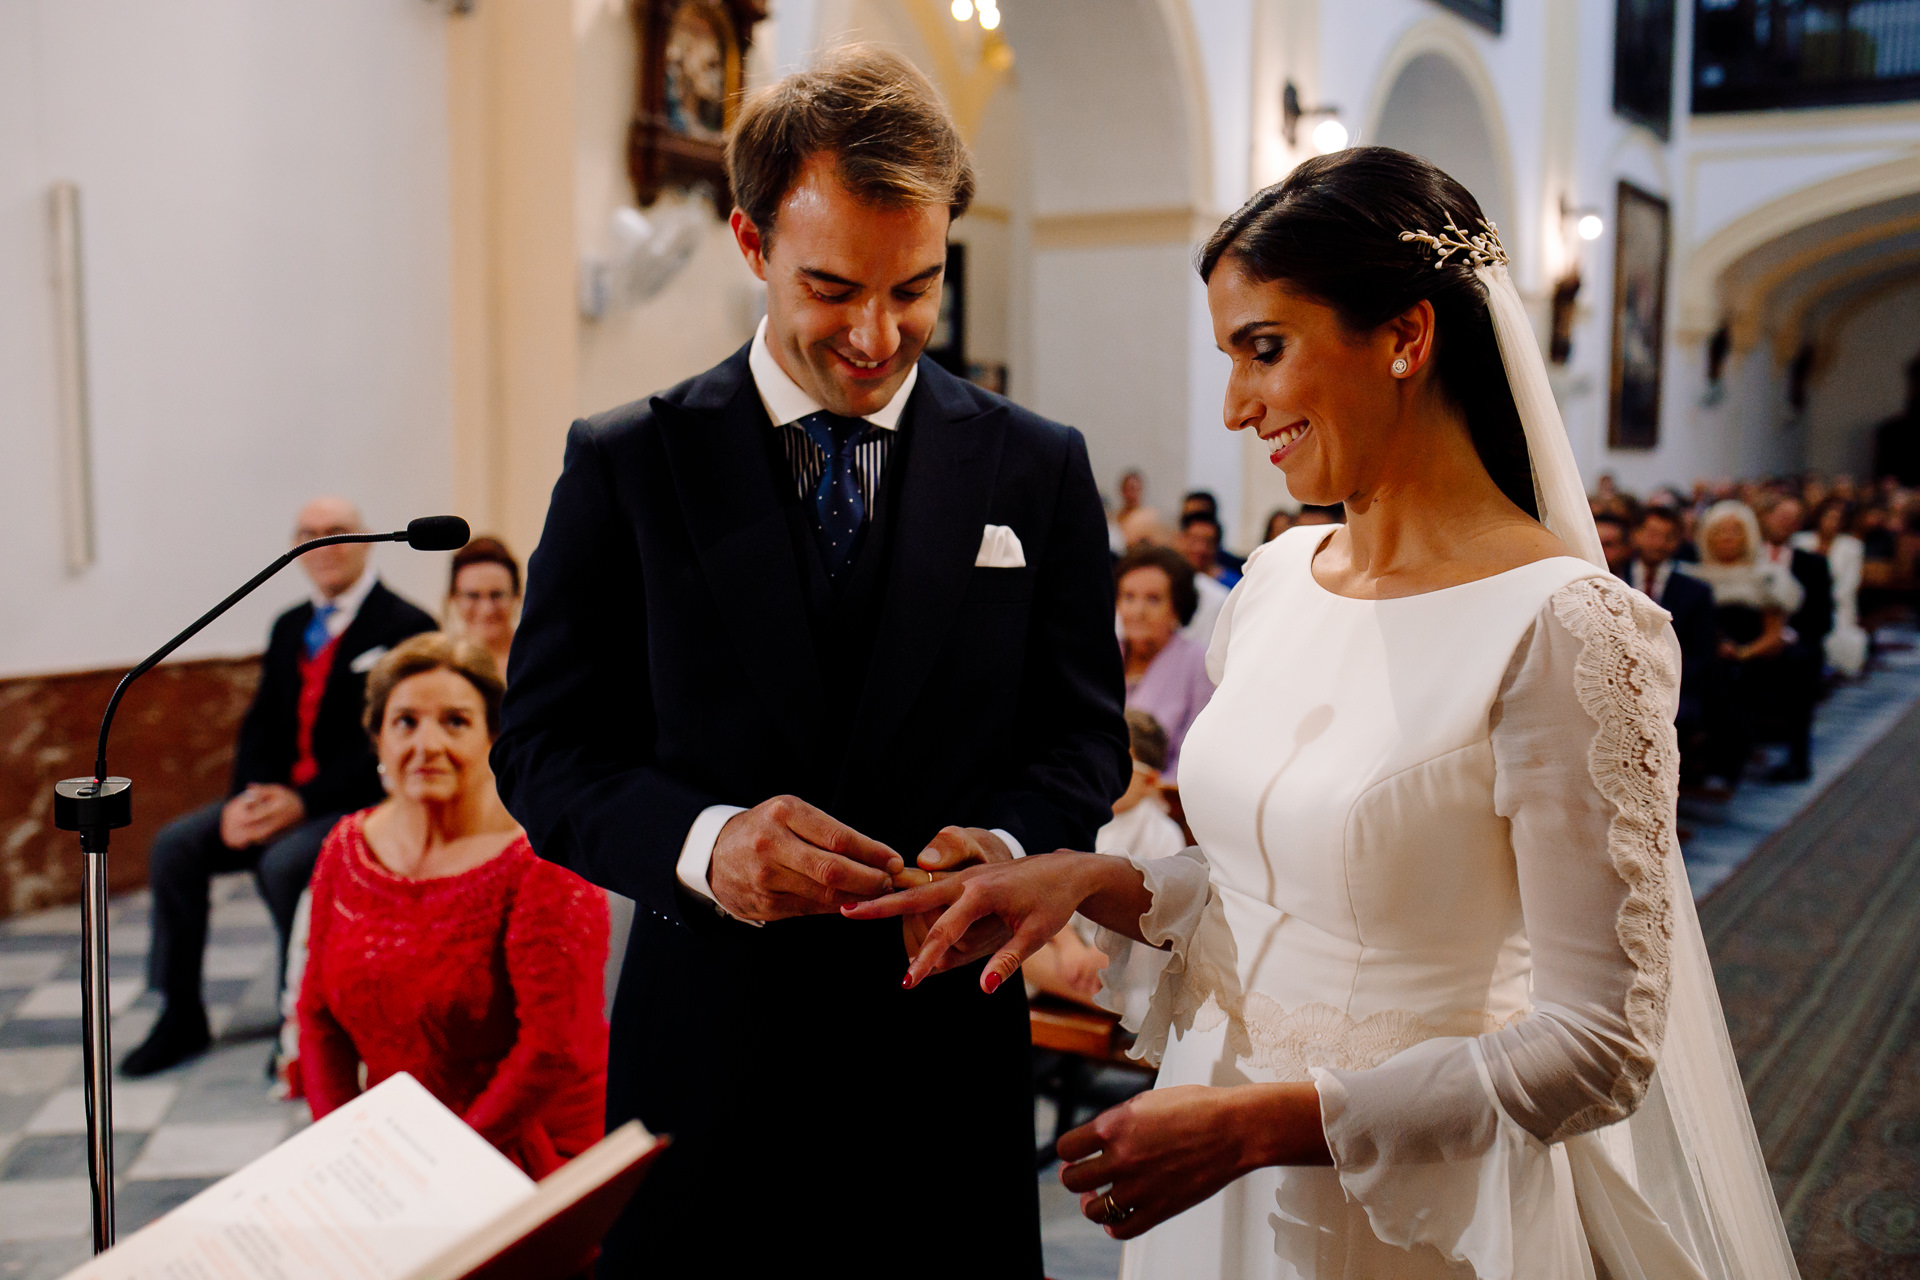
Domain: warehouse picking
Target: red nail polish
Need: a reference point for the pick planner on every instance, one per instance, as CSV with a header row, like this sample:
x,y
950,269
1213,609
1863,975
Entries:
x,y
907,981
991,982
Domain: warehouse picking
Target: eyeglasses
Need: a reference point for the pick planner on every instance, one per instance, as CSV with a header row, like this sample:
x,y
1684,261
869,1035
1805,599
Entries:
x,y
483,597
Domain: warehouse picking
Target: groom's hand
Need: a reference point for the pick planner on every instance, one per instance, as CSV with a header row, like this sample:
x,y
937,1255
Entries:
x,y
957,847
946,853
784,858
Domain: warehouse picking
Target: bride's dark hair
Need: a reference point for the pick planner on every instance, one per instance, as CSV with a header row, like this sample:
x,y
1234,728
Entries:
x,y
1331,231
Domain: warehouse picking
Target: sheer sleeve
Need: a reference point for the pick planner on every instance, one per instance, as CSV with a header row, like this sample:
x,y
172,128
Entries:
x,y
1586,772
1181,890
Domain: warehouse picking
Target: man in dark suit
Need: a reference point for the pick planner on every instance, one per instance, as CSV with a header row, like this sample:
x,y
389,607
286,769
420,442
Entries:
x,y
303,760
817,613
1800,668
1650,570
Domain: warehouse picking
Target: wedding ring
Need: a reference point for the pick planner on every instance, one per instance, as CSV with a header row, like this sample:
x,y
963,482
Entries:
x,y
1109,1214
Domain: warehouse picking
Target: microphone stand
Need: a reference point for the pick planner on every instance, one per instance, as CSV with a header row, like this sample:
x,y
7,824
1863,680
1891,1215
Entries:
x,y
98,805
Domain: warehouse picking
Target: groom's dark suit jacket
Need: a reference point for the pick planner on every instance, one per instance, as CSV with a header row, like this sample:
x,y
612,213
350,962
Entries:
x,y
681,647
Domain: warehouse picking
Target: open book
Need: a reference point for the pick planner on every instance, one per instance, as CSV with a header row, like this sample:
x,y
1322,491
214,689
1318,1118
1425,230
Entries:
x,y
392,1186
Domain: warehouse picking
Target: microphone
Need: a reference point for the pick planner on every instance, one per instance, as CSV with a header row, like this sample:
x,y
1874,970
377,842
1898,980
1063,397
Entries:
x,y
98,805
436,533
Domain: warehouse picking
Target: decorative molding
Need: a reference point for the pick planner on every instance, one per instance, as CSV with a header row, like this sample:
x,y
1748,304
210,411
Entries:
x,y
1746,302
1121,228
1707,263
70,344
1891,271
1803,120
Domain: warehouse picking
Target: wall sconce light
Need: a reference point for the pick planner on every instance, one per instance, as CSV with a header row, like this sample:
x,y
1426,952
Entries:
x,y
1586,220
988,11
1329,135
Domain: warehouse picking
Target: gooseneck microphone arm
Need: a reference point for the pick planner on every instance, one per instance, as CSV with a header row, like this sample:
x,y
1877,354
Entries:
x,y
158,655
429,533
99,805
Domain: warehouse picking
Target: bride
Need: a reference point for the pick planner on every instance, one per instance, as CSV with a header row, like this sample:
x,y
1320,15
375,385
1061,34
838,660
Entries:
x,y
1437,1003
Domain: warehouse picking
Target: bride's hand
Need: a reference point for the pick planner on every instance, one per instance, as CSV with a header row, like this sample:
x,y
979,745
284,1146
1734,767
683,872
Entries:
x,y
1009,908
1162,1152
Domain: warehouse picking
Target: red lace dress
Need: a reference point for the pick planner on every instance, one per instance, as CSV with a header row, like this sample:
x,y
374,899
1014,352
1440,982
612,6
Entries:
x,y
486,986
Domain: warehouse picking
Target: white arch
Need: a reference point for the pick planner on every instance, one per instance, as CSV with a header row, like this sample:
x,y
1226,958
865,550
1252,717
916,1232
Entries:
x,y
1700,301
1445,39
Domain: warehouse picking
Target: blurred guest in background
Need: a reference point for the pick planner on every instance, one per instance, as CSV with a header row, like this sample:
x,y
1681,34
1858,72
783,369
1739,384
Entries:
x,y
300,764
1752,598
1800,668
1202,502
1131,522
1279,520
1847,643
1613,541
1069,965
1650,570
483,596
1200,543
1335,513
440,945
1166,668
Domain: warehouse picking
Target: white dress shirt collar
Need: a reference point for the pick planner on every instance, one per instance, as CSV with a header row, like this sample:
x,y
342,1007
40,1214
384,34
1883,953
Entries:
x,y
786,402
347,604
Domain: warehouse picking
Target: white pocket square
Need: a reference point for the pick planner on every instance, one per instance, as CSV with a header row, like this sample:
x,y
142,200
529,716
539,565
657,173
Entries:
x,y
364,662
999,549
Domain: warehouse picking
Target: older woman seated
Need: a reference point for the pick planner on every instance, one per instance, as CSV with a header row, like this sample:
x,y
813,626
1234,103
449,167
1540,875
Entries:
x,y
440,945
1166,670
1753,597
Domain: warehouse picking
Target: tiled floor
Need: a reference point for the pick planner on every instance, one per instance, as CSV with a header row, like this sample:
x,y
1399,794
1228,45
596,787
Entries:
x,y
1853,718
173,1134
183,1130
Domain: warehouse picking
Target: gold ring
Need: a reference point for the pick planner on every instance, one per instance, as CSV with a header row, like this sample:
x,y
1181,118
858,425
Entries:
x,y
1108,1213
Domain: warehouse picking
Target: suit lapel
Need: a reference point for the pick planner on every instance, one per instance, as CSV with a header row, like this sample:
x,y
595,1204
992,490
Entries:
x,y
952,457
716,446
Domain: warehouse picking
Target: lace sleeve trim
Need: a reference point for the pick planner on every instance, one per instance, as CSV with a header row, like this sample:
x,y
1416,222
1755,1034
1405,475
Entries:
x,y
1627,680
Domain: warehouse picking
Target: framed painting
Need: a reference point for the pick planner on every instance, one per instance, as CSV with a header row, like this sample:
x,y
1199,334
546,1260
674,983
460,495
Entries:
x,y
1643,32
1640,248
947,345
691,58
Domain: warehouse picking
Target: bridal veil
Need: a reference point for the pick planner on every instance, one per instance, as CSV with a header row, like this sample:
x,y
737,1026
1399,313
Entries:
x,y
1679,1189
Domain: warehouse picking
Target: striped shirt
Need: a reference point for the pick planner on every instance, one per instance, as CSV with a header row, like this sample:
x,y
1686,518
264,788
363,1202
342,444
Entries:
x,y
809,462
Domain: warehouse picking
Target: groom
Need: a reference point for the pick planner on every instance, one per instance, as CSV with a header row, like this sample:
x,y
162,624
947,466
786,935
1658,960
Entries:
x,y
819,610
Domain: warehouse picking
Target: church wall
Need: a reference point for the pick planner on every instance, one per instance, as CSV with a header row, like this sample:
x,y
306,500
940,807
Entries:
x,y
263,208
1862,382
1115,325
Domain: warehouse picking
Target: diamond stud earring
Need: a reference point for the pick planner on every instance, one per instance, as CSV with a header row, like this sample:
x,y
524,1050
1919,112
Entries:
x,y
1400,367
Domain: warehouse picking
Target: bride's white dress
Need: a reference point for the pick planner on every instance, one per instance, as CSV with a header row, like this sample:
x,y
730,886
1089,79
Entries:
x,y
1433,876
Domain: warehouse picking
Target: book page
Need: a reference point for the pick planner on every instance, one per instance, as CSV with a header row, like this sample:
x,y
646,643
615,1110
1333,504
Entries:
x,y
373,1191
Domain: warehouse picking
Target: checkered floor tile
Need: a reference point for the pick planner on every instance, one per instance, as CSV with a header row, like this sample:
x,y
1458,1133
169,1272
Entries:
x,y
174,1133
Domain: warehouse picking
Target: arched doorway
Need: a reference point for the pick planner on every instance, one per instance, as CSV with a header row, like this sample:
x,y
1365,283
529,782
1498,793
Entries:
x,y
1823,321
1432,111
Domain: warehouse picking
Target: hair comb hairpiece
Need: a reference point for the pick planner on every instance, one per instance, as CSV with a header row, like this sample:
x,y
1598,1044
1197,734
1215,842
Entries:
x,y
1480,250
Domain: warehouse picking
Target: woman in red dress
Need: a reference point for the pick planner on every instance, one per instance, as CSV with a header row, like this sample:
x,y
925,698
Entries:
x,y
440,944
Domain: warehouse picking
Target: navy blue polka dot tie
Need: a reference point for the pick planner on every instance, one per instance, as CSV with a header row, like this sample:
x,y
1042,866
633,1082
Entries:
x,y
839,509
